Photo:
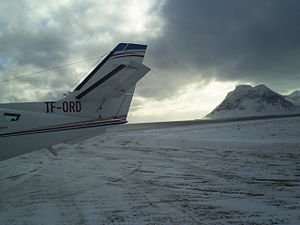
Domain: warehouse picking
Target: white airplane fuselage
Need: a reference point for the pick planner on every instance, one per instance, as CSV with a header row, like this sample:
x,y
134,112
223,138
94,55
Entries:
x,y
101,100
40,130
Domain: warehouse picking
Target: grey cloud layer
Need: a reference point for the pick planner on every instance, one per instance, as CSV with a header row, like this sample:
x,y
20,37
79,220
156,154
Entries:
x,y
35,36
250,40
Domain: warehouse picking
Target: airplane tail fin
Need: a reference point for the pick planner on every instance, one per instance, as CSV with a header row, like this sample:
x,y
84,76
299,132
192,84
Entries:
x,y
108,90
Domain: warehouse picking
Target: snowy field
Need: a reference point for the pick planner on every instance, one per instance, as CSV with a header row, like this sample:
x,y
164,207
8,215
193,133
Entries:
x,y
227,173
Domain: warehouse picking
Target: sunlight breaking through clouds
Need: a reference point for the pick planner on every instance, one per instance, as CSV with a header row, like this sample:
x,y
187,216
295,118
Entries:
x,y
192,102
40,36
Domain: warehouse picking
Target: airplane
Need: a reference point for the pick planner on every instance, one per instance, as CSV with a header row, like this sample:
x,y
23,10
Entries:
x,y
102,99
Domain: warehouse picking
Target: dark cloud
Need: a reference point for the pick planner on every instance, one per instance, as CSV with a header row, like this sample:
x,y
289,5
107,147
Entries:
x,y
249,41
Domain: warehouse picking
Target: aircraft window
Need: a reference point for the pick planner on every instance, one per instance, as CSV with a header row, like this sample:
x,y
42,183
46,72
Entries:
x,y
8,117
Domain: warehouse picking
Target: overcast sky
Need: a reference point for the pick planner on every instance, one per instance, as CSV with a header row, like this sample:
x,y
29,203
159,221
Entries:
x,y
198,50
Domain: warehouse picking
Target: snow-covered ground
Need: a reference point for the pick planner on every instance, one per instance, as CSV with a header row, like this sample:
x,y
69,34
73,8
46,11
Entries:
x,y
226,173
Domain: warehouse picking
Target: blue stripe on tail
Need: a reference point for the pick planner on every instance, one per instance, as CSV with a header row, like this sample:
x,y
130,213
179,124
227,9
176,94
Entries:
x,y
128,46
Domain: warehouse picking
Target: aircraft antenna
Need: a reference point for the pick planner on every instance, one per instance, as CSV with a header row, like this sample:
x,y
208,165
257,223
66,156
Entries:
x,y
49,69
88,71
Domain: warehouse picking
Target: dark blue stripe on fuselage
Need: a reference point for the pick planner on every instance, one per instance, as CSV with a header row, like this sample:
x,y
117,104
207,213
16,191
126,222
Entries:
x,y
62,129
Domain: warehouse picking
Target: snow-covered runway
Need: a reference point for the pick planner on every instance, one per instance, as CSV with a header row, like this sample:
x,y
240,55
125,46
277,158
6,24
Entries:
x,y
228,173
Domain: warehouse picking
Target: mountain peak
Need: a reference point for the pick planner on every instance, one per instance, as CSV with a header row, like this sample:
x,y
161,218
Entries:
x,y
262,87
246,100
295,94
294,98
243,86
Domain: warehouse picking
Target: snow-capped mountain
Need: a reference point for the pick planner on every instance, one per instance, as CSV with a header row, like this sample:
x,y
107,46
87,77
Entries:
x,y
246,100
294,97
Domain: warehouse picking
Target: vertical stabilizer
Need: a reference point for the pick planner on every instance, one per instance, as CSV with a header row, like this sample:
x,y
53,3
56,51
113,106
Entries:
x,y
108,90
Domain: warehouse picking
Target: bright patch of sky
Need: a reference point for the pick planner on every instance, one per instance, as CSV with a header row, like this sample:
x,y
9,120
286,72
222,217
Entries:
x,y
192,102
